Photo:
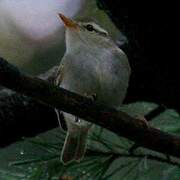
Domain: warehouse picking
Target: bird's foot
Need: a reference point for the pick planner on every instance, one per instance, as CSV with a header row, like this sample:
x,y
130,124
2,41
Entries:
x,y
143,119
92,97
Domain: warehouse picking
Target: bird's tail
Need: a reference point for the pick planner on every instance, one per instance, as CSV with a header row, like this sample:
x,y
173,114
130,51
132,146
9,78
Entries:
x,y
75,143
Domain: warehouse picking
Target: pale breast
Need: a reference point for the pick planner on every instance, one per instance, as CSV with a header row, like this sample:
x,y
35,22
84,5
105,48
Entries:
x,y
80,75
105,76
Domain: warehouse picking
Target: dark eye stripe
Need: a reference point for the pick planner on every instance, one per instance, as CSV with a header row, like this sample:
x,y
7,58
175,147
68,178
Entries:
x,y
90,27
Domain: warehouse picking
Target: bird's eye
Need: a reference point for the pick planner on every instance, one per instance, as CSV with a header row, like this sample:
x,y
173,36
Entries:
x,y
89,27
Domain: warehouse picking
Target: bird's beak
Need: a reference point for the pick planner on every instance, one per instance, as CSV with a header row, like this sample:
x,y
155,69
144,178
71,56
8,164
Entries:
x,y
69,23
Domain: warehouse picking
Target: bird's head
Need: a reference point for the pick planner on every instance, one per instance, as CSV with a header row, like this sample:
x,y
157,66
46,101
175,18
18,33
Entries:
x,y
85,33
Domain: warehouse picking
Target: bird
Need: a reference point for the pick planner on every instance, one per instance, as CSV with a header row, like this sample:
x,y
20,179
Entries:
x,y
92,66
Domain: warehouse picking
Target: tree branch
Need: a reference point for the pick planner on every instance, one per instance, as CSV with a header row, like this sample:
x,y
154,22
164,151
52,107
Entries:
x,y
116,121
21,116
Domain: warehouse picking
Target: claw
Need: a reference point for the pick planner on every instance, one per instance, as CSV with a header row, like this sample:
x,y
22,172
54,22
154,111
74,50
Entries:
x,y
93,97
143,119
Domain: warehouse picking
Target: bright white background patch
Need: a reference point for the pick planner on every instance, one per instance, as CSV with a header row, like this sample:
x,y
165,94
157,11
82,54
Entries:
x,y
38,18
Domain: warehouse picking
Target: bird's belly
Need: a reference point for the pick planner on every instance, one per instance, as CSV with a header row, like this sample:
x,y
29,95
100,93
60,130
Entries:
x,y
81,82
108,92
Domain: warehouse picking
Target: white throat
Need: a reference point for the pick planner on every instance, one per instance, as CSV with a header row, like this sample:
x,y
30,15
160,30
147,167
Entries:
x,y
76,43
